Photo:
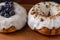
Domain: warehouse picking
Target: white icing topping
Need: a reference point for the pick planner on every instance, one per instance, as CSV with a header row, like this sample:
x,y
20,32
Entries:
x,y
53,8
18,20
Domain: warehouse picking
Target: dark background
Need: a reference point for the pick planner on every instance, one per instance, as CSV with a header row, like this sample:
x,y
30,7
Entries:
x,y
58,1
30,1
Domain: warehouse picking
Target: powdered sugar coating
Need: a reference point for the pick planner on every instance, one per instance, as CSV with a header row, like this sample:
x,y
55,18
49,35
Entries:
x,y
18,20
41,11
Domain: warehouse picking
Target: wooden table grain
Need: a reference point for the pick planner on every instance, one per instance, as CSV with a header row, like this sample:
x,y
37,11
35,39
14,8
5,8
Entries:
x,y
26,33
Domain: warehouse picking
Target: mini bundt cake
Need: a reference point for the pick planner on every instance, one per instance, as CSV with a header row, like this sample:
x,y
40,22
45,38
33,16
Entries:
x,y
44,18
12,16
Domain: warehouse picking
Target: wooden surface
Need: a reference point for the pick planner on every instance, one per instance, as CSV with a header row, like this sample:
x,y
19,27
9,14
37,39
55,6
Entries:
x,y
28,1
26,33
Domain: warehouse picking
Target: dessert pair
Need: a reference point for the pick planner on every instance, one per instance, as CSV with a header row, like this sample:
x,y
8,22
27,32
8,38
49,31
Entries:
x,y
44,17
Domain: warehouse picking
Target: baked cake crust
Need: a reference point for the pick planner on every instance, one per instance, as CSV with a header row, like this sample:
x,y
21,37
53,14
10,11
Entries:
x,y
11,29
47,31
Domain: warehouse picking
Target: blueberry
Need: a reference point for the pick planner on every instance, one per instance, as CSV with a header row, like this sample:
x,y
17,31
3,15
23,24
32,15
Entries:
x,y
6,2
2,7
6,15
2,13
6,9
11,8
11,13
11,5
7,6
11,2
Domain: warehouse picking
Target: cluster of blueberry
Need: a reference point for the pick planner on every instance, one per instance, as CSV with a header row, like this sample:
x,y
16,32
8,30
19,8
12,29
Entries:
x,y
7,10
